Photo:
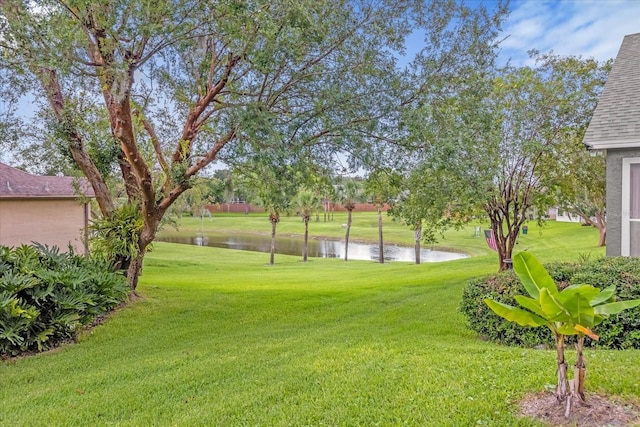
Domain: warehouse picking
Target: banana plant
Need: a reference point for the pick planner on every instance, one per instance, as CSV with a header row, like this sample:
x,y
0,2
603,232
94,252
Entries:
x,y
575,310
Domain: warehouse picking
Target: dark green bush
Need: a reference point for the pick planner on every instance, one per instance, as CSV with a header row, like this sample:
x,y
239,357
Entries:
x,y
617,332
47,296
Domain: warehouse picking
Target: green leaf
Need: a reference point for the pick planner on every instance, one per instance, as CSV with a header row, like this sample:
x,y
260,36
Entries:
x,y
533,275
552,309
576,299
530,304
604,296
597,319
615,307
581,311
514,314
587,291
565,329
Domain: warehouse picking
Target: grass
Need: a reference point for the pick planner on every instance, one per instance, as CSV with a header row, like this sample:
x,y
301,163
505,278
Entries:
x,y
221,338
563,240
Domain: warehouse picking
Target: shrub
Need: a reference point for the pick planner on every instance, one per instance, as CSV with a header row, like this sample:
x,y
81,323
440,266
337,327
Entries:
x,y
617,332
502,287
47,296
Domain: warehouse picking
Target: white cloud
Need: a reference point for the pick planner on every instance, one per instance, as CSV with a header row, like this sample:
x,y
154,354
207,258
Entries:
x,y
587,28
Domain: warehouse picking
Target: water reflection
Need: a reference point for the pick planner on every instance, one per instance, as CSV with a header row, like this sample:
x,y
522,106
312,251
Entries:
x,y
319,248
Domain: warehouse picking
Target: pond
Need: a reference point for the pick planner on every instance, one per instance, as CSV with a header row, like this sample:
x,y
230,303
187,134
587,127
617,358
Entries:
x,y
320,248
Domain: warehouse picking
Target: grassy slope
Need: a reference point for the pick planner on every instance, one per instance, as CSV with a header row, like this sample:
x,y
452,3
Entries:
x,y
220,338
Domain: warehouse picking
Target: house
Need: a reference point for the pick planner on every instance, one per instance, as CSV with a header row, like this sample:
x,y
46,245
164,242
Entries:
x,y
561,215
51,210
615,128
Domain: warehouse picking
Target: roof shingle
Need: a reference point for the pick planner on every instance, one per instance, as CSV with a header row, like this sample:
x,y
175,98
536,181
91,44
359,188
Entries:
x,y
15,183
616,120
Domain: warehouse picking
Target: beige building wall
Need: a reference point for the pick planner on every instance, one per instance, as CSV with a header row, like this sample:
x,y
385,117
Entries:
x,y
58,222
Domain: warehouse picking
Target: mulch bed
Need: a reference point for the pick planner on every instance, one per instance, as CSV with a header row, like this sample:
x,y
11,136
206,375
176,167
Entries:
x,y
599,411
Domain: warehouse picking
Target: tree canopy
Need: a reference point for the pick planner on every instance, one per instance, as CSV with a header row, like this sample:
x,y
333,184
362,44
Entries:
x,y
499,145
150,93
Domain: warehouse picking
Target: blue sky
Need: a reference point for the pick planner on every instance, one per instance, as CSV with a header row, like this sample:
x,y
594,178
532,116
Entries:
x,y
588,28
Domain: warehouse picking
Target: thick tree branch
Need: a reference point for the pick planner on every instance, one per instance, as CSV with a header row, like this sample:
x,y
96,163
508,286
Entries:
x,y
49,80
156,146
192,124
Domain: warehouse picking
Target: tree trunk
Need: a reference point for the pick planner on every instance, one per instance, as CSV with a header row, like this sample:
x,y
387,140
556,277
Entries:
x,y
600,223
147,236
580,370
507,212
563,384
346,237
274,222
380,243
501,245
602,239
306,239
417,236
495,225
505,244
135,270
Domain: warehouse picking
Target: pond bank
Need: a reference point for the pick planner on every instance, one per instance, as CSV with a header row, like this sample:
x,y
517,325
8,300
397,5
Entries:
x,y
319,246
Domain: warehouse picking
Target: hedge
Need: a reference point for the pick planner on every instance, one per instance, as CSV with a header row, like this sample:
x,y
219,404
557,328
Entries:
x,y
617,332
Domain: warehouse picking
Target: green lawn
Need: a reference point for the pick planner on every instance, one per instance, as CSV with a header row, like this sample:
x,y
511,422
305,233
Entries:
x,y
552,239
219,338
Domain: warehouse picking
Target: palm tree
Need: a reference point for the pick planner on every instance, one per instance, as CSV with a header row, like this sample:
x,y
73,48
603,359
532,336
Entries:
x,y
274,218
381,186
307,201
349,194
228,191
275,202
273,188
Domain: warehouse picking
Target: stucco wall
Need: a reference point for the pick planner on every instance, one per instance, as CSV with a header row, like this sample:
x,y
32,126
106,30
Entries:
x,y
614,197
47,221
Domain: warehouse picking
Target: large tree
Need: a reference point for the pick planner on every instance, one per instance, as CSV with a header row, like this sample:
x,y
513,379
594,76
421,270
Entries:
x,y
182,83
536,110
508,139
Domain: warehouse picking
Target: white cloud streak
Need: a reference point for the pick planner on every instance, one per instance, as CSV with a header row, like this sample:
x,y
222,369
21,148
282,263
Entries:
x,y
587,28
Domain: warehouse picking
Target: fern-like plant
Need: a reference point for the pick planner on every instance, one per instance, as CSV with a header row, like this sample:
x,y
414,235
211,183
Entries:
x,y
116,238
46,296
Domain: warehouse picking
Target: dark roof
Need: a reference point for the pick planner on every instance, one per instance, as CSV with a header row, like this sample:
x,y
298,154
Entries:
x,y
616,120
15,183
